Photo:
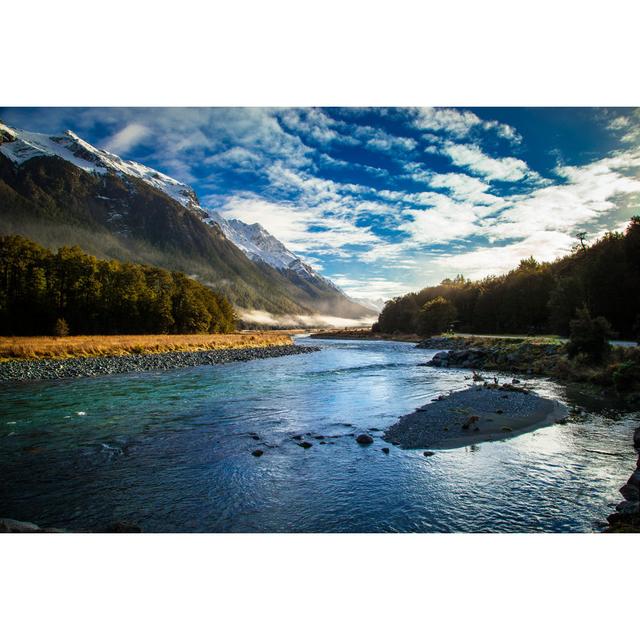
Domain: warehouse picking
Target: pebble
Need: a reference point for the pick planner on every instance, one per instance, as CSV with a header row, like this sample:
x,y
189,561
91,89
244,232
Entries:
x,y
20,370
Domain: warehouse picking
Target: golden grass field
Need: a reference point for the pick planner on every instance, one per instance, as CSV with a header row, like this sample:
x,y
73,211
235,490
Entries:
x,y
88,346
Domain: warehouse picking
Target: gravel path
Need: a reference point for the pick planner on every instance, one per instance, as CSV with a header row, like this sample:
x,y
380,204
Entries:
x,y
474,415
14,370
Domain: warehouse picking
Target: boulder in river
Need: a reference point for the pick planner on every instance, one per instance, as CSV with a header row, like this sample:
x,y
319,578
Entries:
x,y
257,453
364,438
304,445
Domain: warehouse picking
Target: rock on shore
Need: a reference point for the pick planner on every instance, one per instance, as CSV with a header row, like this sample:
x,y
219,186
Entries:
x,y
442,342
477,414
8,525
517,357
16,370
626,518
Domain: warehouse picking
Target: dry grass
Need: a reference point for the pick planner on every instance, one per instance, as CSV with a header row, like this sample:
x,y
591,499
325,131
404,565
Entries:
x,y
89,346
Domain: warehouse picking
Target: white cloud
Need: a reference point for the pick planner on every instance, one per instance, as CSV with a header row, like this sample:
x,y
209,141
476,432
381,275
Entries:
x,y
621,122
481,262
452,121
471,157
237,158
459,123
127,138
374,287
542,223
302,229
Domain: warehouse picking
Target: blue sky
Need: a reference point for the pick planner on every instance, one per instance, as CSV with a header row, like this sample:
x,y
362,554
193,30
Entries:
x,y
387,200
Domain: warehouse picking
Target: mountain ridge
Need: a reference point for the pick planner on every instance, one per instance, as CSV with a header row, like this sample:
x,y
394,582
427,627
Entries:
x,y
132,202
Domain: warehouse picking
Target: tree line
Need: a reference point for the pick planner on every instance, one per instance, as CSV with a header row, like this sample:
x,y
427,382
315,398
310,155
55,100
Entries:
x,y
44,293
535,297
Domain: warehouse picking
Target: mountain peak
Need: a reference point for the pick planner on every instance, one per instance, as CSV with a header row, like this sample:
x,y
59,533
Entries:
x,y
20,146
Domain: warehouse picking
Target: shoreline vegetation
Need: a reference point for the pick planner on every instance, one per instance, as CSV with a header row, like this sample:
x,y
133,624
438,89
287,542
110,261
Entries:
x,y
52,347
364,333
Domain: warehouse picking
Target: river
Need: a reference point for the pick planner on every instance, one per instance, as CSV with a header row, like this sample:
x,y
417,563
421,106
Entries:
x,y
171,451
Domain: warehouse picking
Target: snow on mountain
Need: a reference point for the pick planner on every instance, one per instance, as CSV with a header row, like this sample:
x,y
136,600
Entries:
x,y
259,245
253,240
24,145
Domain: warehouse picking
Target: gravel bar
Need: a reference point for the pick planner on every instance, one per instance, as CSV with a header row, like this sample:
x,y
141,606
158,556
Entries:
x,y
474,415
20,370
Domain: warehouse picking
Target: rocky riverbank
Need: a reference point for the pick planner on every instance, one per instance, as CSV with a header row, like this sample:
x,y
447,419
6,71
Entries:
x,y
617,377
478,414
21,370
626,518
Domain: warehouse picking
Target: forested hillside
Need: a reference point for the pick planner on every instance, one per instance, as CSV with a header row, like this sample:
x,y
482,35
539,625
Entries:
x,y
535,297
42,292
59,190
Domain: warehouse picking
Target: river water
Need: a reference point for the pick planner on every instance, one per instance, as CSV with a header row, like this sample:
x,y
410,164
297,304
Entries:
x,y
171,451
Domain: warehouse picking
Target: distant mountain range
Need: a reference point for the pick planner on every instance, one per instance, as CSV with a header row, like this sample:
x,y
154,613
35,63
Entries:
x,y
59,189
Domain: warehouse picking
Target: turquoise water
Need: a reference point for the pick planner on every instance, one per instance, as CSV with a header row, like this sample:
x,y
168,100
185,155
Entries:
x,y
171,451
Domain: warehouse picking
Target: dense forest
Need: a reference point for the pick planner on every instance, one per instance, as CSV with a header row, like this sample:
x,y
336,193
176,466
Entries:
x,y
603,278
69,291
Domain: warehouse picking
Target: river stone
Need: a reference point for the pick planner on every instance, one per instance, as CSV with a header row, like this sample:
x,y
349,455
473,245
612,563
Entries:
x,y
364,438
628,507
635,478
385,449
8,525
304,445
629,492
257,453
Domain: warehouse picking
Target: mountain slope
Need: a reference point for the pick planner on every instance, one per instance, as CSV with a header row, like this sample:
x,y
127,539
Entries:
x,y
60,189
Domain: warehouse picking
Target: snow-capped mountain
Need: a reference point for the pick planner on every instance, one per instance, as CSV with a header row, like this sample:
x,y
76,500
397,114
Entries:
x,y
252,239
128,199
259,245
23,145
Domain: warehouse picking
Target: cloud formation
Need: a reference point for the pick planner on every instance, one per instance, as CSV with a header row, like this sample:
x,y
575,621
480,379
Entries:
x,y
394,197
127,138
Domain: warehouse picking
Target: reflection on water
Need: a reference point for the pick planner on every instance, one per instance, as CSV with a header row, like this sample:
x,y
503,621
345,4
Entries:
x,y
171,451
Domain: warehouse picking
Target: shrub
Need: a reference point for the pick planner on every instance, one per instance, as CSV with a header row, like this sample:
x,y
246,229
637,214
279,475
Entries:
x,y
626,376
589,336
61,328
